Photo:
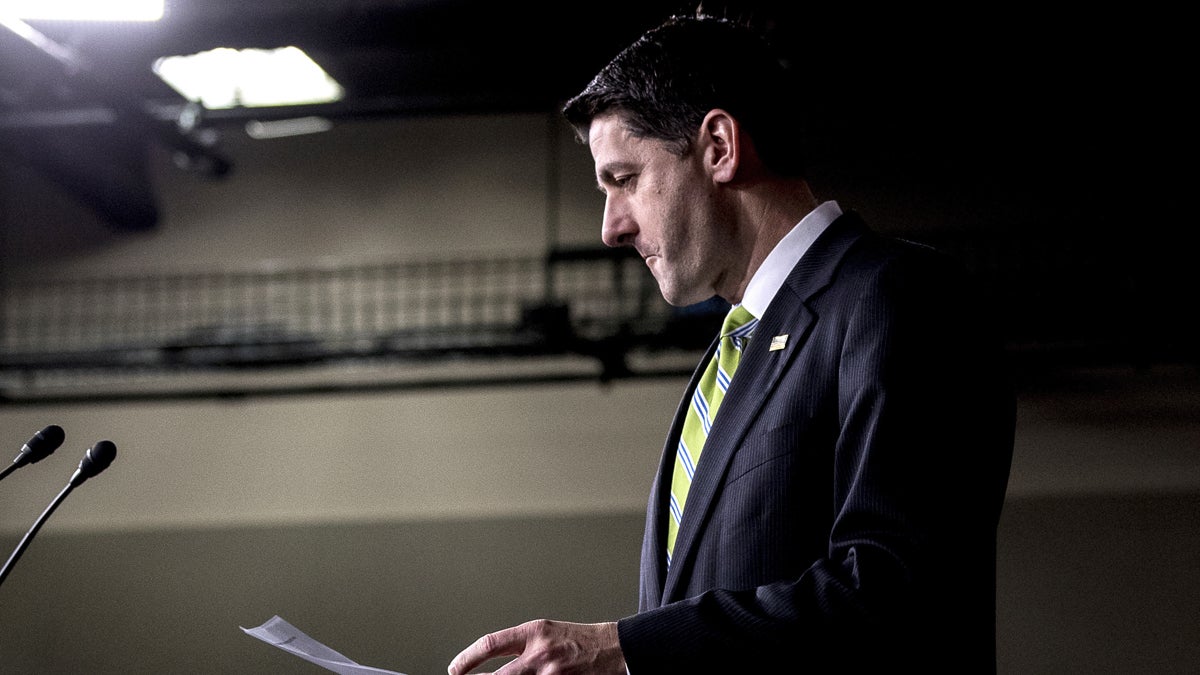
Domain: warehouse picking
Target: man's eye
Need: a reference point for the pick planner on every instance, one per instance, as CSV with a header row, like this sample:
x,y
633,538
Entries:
x,y
622,181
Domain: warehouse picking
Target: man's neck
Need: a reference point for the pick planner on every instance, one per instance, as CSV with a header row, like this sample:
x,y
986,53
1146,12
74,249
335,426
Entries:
x,y
767,211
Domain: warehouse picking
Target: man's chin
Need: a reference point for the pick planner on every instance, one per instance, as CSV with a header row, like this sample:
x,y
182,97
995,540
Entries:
x,y
675,293
677,297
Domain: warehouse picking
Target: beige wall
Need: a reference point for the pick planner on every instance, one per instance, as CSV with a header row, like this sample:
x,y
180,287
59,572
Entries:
x,y
528,450
365,191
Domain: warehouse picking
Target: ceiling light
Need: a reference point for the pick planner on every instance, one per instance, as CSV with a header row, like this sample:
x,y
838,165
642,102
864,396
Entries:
x,y
293,127
84,10
230,78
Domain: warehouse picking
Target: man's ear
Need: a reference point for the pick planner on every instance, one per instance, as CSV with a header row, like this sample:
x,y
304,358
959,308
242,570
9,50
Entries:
x,y
720,145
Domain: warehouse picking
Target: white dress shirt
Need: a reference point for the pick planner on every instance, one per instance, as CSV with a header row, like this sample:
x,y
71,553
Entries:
x,y
779,262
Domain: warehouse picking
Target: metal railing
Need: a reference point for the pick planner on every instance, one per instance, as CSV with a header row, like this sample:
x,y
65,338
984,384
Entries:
x,y
593,304
1057,301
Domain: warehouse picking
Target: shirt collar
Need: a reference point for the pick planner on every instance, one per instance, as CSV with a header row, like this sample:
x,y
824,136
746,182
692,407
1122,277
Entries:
x,y
769,276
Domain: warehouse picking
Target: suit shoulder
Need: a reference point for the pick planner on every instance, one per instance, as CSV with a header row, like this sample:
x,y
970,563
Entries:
x,y
894,256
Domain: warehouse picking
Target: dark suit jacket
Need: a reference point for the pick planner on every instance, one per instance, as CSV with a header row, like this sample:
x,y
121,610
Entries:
x,y
845,506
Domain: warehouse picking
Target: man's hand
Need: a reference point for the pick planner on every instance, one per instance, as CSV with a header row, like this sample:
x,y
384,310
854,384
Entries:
x,y
544,647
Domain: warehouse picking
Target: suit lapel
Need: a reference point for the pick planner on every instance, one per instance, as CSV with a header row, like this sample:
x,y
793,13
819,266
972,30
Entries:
x,y
757,376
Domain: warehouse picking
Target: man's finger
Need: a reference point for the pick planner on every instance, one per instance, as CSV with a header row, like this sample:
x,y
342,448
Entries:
x,y
507,642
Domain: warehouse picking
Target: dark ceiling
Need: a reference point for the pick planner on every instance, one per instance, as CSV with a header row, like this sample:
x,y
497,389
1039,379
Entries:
x,y
992,91
392,56
79,100
415,56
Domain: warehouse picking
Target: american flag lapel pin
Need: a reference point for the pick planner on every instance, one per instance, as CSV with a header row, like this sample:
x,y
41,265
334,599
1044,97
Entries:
x,y
778,342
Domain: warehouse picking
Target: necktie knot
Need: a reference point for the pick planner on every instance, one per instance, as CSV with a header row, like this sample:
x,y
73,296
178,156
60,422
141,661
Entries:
x,y
739,322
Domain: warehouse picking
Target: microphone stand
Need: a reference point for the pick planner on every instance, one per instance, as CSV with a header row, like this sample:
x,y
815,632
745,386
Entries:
x,y
95,460
9,469
12,559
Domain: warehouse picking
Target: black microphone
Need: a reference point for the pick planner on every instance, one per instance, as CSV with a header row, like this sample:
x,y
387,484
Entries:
x,y
96,459
37,448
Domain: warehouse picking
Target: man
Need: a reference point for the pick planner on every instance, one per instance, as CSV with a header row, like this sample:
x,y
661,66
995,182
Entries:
x,y
842,514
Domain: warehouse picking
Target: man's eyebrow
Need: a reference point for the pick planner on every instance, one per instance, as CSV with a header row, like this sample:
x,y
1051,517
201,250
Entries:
x,y
607,173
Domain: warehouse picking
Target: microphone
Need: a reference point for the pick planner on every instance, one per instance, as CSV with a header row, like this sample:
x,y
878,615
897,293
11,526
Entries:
x,y
41,446
96,459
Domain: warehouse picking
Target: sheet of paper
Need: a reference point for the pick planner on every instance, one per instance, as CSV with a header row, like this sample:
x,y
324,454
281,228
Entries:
x,y
290,639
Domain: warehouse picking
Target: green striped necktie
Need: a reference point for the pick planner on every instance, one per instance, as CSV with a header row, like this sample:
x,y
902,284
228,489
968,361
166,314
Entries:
x,y
736,330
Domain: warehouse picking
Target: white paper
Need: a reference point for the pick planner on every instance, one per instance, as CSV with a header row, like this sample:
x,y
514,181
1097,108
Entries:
x,y
290,639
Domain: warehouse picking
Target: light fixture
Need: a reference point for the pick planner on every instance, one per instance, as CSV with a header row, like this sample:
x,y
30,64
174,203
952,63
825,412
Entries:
x,y
230,78
83,10
291,127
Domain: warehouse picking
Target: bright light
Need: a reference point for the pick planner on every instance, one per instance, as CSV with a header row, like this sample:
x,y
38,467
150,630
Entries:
x,y
84,10
292,127
228,78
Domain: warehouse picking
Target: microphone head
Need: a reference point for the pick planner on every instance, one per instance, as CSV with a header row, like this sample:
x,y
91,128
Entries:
x,y
96,459
42,445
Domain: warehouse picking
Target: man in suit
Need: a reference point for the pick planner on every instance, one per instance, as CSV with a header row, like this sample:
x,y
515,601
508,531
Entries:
x,y
843,511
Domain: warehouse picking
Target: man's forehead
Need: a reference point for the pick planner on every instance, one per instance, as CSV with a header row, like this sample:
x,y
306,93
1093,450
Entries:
x,y
605,129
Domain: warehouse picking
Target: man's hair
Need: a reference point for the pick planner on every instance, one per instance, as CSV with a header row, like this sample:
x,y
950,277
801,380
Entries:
x,y
664,84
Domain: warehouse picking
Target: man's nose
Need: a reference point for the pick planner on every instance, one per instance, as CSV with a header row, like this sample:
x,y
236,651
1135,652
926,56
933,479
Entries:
x,y
619,227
